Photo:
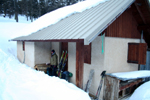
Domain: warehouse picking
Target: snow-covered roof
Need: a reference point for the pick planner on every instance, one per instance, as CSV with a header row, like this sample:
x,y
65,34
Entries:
x,y
84,21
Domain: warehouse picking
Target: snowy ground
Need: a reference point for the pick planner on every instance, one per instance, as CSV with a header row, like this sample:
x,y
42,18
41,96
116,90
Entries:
x,y
20,82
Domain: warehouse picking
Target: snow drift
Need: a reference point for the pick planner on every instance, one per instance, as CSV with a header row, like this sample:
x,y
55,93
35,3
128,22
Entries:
x,y
142,92
20,82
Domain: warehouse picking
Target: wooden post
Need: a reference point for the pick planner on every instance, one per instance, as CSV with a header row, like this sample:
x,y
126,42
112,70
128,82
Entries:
x,y
79,64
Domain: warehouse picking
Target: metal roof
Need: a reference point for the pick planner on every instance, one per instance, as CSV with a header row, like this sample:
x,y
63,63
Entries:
x,y
84,26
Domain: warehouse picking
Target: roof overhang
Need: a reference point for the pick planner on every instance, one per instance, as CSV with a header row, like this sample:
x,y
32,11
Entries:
x,y
53,40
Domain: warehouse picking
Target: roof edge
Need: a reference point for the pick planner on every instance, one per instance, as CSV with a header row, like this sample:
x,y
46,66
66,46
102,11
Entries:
x,y
53,40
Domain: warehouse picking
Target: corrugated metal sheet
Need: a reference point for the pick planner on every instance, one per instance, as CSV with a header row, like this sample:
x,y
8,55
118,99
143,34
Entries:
x,y
147,66
86,25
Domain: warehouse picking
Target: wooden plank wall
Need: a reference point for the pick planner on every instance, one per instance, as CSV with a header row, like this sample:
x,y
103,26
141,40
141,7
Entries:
x,y
111,88
87,54
79,64
124,26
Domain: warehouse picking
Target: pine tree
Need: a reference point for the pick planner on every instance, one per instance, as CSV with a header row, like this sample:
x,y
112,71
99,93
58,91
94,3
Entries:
x,y
1,6
16,9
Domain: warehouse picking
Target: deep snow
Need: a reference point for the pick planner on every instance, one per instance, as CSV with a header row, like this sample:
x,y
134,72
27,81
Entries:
x,y
20,82
142,92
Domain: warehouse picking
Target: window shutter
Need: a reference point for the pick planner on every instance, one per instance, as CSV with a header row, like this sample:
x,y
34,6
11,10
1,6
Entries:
x,y
137,53
142,53
87,53
23,46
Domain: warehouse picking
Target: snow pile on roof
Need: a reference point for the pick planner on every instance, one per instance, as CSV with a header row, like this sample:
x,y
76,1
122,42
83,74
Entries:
x,y
131,75
59,14
142,92
20,82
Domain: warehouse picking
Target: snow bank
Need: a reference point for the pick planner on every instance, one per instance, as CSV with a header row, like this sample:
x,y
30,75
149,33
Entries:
x,y
142,92
59,14
9,29
131,75
20,82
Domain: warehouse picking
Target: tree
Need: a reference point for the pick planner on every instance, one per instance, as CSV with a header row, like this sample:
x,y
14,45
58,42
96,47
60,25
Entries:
x,y
31,8
16,9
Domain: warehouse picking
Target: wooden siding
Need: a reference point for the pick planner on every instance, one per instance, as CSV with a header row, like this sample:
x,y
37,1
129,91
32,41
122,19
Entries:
x,y
137,53
87,54
79,64
124,26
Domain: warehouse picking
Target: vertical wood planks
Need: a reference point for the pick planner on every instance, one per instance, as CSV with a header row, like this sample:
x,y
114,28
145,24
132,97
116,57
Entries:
x,y
87,54
79,64
111,88
125,26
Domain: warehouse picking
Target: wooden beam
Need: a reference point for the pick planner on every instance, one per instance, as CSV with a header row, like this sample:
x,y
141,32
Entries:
x,y
137,6
79,64
143,27
130,84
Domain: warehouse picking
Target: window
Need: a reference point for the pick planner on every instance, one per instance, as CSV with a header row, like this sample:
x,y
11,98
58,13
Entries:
x,y
137,53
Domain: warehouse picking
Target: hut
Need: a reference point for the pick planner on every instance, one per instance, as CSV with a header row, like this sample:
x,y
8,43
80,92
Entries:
x,y
112,36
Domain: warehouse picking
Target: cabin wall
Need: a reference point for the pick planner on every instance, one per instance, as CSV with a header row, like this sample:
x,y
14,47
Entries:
x,y
117,52
125,26
26,56
29,54
97,63
113,60
42,52
57,47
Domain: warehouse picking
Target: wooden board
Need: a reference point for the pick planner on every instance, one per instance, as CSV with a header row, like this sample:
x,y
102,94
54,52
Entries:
x,y
79,64
111,88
